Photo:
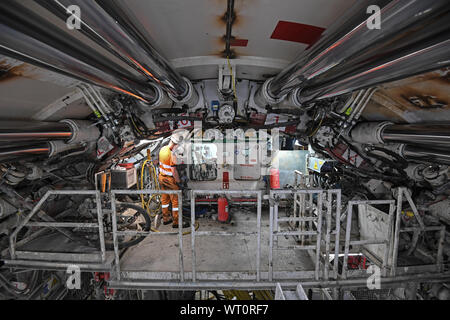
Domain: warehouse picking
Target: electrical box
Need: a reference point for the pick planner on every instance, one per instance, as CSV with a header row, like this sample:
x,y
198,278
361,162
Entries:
x,y
123,178
320,165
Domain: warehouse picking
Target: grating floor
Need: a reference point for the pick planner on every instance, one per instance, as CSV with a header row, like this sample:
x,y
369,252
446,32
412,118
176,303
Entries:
x,y
215,253
159,253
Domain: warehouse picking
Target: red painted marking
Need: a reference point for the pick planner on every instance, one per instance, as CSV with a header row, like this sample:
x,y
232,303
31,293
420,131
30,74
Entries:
x,y
297,32
238,42
258,118
225,180
290,129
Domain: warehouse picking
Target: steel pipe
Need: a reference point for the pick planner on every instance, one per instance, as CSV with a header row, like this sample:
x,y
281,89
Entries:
x,y
416,142
228,34
26,36
418,134
16,144
71,131
112,27
422,21
420,61
14,131
437,135
48,149
323,55
24,152
348,54
423,154
24,139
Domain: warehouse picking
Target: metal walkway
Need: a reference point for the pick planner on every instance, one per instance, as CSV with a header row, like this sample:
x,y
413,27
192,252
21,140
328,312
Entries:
x,y
315,224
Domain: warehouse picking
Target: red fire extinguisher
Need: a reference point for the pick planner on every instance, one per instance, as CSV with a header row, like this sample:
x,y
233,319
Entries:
x,y
222,206
274,178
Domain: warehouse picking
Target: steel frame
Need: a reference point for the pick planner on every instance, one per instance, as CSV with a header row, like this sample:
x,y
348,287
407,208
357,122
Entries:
x,y
186,280
194,233
387,242
21,256
306,226
298,294
117,233
422,228
357,281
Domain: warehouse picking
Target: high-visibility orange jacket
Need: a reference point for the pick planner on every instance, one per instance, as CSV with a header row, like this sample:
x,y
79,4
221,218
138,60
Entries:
x,y
166,162
167,182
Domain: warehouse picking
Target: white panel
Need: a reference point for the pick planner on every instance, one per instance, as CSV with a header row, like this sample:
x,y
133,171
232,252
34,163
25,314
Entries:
x,y
191,28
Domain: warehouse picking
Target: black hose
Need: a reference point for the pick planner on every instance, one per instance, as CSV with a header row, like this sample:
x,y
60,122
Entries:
x,y
275,125
401,162
285,111
369,174
169,110
177,118
388,162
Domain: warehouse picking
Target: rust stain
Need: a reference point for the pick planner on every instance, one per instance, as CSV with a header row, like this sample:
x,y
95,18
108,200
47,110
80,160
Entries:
x,y
441,75
4,68
375,111
422,100
431,94
221,41
222,54
232,54
8,73
221,20
408,100
429,91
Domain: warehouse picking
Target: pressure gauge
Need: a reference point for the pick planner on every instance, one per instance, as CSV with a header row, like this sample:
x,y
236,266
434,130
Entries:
x,y
226,114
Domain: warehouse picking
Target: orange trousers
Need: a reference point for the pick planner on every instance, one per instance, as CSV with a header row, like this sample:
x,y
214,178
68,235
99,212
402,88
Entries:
x,y
168,183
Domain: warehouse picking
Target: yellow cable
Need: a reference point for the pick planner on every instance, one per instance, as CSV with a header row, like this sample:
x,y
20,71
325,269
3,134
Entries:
x,y
135,126
318,127
232,79
146,205
153,175
141,185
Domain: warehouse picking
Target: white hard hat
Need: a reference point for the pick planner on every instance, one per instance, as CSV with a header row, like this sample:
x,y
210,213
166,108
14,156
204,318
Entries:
x,y
177,136
175,139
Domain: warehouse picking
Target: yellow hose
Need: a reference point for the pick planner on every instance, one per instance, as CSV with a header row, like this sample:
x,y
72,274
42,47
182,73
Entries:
x,y
153,175
146,205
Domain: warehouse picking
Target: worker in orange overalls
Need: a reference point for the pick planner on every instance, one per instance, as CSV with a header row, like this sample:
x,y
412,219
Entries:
x,y
168,180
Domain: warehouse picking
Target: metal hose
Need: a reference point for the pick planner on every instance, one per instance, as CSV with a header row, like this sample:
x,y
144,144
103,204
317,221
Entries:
x,y
26,36
350,56
109,24
27,131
